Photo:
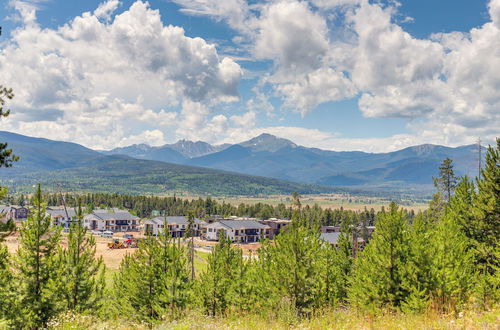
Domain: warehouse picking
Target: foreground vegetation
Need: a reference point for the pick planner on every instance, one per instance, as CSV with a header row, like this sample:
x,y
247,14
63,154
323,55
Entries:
x,y
436,268
327,319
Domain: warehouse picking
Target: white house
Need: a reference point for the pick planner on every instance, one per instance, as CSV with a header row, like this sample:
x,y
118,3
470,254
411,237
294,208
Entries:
x,y
241,231
177,226
114,220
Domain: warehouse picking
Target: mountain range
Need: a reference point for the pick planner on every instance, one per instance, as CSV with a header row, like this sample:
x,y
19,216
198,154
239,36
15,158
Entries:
x,y
256,160
271,156
76,168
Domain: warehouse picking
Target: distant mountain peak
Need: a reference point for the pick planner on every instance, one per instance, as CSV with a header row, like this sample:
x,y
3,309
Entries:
x,y
192,149
424,148
267,142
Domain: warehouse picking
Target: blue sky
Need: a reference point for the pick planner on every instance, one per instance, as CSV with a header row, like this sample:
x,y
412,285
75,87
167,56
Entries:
x,y
334,74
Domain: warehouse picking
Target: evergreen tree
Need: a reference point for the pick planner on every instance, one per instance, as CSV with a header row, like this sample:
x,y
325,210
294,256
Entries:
x,y
7,294
343,263
419,281
446,181
82,272
6,155
154,281
190,235
380,272
295,265
486,233
217,283
451,271
36,268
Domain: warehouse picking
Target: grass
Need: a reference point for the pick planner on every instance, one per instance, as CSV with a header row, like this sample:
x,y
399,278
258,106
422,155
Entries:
x,y
333,201
337,319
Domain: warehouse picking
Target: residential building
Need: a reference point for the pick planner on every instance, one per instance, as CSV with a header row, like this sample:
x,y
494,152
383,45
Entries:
x,y
59,216
276,225
14,212
331,238
240,231
177,226
114,220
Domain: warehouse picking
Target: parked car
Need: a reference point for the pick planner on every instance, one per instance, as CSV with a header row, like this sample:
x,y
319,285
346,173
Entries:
x,y
96,232
107,234
128,236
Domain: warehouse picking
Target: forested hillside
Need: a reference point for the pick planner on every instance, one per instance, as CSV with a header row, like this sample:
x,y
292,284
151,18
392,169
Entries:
x,y
135,176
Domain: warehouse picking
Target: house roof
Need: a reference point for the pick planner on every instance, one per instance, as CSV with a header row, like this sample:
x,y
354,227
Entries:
x,y
4,209
55,213
112,215
331,238
173,220
242,224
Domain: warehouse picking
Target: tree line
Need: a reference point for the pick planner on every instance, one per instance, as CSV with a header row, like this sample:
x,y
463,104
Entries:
x,y
148,206
445,259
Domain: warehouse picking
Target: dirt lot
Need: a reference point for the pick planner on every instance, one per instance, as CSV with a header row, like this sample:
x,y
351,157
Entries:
x,y
113,257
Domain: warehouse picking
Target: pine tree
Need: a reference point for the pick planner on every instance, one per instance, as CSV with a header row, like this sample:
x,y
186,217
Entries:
x,y
419,281
36,268
295,267
343,262
451,273
7,294
6,155
380,272
82,273
154,281
486,233
446,181
190,235
217,283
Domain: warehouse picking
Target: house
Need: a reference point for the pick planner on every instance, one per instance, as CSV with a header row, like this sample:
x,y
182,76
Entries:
x,y
14,212
365,232
177,226
114,220
5,213
240,231
276,225
59,216
333,239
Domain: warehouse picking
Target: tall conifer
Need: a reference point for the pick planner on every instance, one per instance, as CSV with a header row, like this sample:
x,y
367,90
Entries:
x,y
296,266
380,272
36,268
154,281
217,283
82,273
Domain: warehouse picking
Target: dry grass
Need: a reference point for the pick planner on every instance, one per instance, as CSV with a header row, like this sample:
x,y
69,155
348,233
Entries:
x,y
339,319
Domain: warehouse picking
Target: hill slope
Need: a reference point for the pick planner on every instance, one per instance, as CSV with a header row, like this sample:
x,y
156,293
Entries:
x,y
45,154
78,168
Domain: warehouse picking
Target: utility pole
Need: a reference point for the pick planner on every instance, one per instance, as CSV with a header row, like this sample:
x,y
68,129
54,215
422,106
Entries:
x,y
63,201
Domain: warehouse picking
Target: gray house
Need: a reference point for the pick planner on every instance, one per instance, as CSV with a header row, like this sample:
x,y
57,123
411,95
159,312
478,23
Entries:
x,y
240,231
114,220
